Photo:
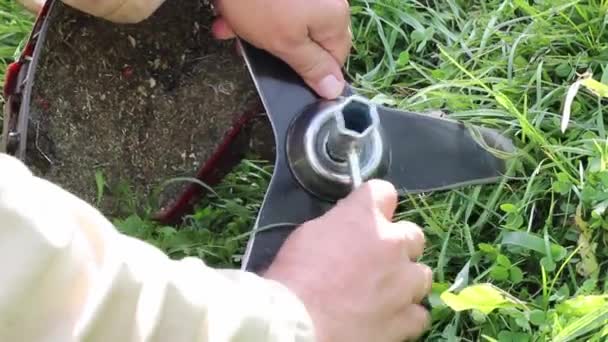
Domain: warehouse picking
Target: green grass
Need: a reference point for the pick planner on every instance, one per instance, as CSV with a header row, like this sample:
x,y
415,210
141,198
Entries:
x,y
539,237
15,24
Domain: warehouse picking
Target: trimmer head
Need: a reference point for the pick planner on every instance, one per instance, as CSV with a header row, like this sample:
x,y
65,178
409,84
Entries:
x,y
415,152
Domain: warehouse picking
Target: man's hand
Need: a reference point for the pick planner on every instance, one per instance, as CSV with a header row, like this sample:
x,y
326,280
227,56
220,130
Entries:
x,y
355,270
312,36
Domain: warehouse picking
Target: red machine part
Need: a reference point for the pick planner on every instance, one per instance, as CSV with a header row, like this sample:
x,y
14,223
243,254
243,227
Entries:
x,y
211,172
11,88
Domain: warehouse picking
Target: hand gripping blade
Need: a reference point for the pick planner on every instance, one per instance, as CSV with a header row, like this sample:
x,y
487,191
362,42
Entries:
x,y
424,154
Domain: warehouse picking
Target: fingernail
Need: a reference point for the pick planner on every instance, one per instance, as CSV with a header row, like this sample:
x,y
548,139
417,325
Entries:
x,y
330,87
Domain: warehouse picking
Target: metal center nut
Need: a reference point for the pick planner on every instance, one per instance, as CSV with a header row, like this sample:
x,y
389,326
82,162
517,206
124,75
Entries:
x,y
322,139
349,125
355,123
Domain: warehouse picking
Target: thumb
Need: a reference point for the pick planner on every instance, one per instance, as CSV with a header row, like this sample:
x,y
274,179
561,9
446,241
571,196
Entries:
x,y
374,194
222,30
317,67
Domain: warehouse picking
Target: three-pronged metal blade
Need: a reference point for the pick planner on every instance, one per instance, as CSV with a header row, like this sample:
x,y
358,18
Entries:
x,y
426,154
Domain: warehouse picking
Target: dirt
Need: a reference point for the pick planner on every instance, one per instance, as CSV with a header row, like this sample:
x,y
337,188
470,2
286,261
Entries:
x,y
141,103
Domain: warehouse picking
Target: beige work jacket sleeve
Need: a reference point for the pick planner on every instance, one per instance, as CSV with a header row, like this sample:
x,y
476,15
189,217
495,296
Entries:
x,y
119,11
67,275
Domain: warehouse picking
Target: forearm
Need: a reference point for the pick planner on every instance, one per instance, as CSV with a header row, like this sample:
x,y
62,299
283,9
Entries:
x,y
68,275
119,11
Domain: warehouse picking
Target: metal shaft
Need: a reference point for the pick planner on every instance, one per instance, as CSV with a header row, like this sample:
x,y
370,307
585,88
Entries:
x,y
355,168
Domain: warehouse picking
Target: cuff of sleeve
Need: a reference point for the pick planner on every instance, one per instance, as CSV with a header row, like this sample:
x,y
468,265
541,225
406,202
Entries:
x,y
298,322
12,171
134,11
285,315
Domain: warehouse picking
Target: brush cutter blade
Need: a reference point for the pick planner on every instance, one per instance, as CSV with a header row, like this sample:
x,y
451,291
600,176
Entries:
x,y
425,154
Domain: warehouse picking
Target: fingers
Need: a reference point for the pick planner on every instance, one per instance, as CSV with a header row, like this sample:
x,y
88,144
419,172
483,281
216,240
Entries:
x,y
412,323
312,37
417,277
34,6
376,194
222,30
411,237
421,276
384,196
317,67
338,46
319,59
330,28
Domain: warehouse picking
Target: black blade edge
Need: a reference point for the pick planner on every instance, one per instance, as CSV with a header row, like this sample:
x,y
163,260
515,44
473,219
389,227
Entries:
x,y
432,154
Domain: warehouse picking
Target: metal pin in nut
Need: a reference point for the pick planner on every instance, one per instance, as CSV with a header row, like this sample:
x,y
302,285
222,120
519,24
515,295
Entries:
x,y
355,169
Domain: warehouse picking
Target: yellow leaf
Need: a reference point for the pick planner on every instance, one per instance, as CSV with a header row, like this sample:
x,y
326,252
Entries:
x,y
482,297
598,88
588,265
586,80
